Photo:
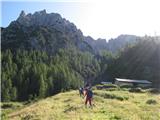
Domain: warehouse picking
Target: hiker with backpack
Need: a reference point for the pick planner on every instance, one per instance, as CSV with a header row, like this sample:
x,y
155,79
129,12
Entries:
x,y
88,94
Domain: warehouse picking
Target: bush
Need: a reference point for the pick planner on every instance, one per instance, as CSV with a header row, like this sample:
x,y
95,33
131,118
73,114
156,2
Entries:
x,y
10,105
151,101
154,91
107,86
99,87
137,90
112,96
7,105
111,89
110,86
126,86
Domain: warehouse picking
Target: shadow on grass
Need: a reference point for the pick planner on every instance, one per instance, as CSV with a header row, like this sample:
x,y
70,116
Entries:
x,y
112,96
71,108
151,102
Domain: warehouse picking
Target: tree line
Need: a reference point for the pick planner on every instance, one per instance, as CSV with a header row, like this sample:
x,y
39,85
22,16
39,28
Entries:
x,y
140,61
35,74
29,74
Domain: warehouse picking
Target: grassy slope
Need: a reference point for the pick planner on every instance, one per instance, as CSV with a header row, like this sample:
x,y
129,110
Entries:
x,y
123,105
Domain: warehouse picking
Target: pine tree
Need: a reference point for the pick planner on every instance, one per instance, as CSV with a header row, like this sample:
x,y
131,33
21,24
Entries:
x,y
42,87
13,94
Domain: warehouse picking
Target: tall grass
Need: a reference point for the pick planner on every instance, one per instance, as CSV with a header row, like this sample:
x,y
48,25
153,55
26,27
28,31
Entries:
x,y
117,104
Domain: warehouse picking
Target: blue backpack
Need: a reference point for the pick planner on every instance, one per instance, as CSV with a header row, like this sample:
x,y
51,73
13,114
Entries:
x,y
90,94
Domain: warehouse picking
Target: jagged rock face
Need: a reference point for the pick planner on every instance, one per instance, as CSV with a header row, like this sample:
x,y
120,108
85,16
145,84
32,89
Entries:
x,y
39,19
53,20
113,45
42,31
97,45
121,41
49,32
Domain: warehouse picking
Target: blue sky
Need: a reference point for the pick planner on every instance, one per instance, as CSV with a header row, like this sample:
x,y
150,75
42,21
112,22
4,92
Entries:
x,y
11,10
99,18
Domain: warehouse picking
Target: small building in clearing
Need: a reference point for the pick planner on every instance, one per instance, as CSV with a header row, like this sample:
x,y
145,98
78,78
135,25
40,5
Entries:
x,y
120,81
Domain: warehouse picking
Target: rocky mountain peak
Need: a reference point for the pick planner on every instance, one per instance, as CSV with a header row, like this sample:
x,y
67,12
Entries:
x,y
39,18
102,40
51,20
43,12
44,31
22,14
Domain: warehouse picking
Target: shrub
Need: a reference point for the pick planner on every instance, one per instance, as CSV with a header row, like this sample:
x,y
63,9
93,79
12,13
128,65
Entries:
x,y
107,86
137,90
7,105
151,101
111,89
126,86
99,87
10,105
112,96
154,91
110,86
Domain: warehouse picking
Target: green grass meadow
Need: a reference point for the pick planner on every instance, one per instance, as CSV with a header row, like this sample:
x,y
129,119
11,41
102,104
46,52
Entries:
x,y
113,104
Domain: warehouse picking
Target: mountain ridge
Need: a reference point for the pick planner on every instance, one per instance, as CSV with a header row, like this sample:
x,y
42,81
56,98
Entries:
x,y
42,29
112,45
26,24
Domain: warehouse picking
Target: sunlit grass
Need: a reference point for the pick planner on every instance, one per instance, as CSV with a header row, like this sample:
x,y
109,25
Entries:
x,y
70,106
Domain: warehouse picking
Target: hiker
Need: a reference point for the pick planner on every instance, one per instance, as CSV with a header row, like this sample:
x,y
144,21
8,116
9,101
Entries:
x,y
88,94
80,91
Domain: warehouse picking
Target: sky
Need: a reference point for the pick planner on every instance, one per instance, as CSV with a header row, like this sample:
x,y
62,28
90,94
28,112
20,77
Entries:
x,y
96,18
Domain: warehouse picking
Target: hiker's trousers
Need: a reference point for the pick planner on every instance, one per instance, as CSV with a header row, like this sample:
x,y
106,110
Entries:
x,y
88,100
